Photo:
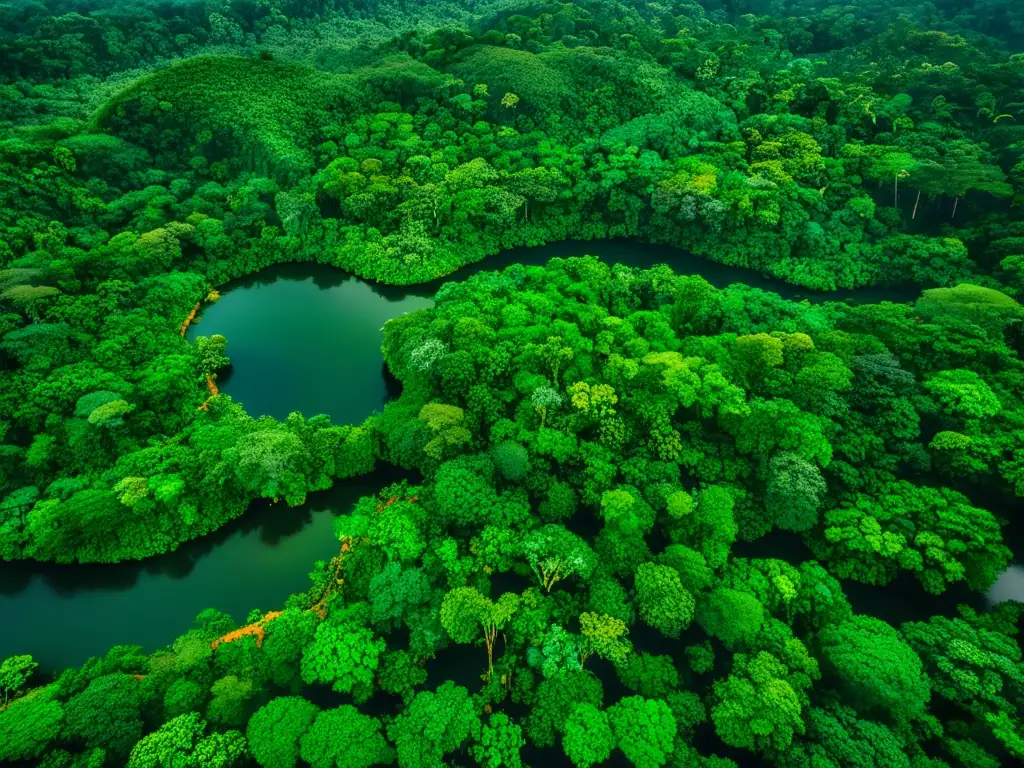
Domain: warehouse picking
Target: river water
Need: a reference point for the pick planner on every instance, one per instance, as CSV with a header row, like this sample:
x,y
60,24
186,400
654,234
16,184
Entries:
x,y
301,337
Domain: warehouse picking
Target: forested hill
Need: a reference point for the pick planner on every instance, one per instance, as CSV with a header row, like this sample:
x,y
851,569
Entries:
x,y
830,147
592,444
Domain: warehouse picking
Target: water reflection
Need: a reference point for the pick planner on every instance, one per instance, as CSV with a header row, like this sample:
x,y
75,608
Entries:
x,y
642,255
306,338
302,337
64,614
1009,586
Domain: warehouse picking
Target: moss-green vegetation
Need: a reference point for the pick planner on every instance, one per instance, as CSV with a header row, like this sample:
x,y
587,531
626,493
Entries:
x,y
593,442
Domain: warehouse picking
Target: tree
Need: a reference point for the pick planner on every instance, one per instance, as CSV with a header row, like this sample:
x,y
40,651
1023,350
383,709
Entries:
x,y
230,694
181,742
286,637
711,529
559,651
554,701
435,724
731,616
622,509
446,423
837,735
555,553
276,728
688,710
464,492
653,677
961,168
400,674
604,635
344,738
701,658
895,166
588,738
561,502
14,673
106,714
511,460
875,667
183,696
343,655
794,492
595,401
29,725
271,462
691,566
933,532
973,667
662,600
545,399
757,354
644,730
500,742
465,613
209,353
963,394
395,592
756,707
426,356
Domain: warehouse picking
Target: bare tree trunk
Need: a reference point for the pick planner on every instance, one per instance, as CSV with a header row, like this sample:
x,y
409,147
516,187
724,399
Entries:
x,y
916,202
490,635
896,190
955,204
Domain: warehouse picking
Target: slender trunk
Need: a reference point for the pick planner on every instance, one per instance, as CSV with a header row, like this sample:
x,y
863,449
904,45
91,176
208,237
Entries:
x,y
537,572
489,637
551,579
896,190
916,202
955,204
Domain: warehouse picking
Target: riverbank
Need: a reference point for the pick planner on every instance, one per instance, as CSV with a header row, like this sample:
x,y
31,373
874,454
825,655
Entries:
x,y
306,338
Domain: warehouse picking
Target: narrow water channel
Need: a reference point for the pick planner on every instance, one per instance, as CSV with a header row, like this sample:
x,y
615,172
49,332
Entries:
x,y
301,337
306,337
63,614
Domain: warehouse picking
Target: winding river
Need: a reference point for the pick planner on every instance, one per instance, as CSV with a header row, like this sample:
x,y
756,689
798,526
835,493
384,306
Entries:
x,y
302,337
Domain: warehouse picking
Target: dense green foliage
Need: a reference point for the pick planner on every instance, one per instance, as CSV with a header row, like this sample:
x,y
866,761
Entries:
x,y
416,139
593,443
669,417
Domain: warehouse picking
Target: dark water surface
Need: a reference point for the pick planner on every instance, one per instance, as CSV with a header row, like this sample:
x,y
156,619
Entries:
x,y
63,614
641,255
305,337
301,337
